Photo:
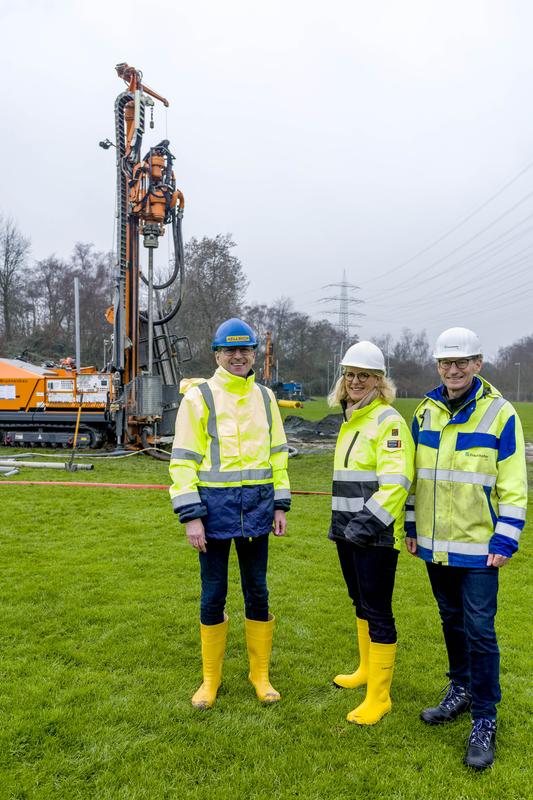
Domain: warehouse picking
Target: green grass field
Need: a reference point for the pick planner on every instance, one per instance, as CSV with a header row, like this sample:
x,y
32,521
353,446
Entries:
x,y
99,655
318,408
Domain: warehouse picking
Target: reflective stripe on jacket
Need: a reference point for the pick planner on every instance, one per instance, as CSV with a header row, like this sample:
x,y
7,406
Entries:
x,y
229,457
471,484
373,470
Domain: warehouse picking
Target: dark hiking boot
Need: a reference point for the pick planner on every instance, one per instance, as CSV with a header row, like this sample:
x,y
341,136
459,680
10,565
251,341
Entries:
x,y
455,702
481,744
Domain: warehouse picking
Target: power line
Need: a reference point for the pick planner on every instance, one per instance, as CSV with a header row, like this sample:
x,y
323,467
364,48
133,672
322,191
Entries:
x,y
343,300
454,290
516,298
458,224
405,285
494,246
491,249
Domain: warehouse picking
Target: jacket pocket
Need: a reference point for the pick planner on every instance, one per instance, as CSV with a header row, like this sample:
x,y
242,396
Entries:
x,y
258,508
358,535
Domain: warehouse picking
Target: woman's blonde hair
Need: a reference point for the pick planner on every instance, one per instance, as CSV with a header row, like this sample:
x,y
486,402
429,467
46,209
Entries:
x,y
385,388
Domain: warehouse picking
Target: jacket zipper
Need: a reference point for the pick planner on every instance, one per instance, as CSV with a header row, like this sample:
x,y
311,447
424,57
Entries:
x,y
350,450
452,414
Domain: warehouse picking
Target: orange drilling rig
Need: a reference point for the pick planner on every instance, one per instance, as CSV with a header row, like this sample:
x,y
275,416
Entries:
x,y
145,357
133,401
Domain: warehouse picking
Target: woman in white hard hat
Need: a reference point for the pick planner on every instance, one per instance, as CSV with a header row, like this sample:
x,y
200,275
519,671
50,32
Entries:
x,y
373,470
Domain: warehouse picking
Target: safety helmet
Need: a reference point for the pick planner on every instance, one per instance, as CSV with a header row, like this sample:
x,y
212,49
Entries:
x,y
457,343
234,333
365,355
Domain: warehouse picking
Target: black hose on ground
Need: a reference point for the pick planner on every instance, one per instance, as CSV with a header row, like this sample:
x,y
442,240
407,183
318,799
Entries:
x,y
153,452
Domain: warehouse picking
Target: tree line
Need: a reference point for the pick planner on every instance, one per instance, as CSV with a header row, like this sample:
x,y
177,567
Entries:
x,y
37,300
37,319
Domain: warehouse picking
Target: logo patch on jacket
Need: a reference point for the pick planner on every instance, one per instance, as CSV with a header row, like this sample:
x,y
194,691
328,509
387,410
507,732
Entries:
x,y
394,444
395,432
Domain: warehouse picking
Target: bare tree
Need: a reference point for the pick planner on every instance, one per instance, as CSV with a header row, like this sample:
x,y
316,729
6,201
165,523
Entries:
x,y
45,305
409,362
51,279
215,286
14,249
94,270
304,348
512,370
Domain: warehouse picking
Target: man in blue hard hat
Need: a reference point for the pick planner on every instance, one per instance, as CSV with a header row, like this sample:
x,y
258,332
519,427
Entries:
x,y
230,482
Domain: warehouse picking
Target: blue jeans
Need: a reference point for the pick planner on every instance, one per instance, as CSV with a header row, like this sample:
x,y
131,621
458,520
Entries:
x,y
253,559
369,574
467,600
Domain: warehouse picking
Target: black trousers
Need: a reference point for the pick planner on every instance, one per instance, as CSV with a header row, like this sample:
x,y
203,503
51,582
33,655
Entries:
x,y
369,573
467,600
253,560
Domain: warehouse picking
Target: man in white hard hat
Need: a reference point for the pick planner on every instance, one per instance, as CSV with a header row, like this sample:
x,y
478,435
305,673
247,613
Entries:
x,y
464,519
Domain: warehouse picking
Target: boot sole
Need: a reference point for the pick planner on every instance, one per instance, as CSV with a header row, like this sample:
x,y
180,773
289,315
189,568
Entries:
x,y
443,721
268,699
205,705
367,724
349,688
478,767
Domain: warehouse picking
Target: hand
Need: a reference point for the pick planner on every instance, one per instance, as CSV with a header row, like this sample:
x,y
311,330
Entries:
x,y
195,532
280,523
495,560
410,543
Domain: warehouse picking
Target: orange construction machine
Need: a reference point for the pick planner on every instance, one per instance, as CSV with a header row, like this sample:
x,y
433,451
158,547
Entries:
x,y
39,405
134,401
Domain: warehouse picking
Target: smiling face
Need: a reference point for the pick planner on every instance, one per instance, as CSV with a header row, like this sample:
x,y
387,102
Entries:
x,y
457,376
236,360
359,383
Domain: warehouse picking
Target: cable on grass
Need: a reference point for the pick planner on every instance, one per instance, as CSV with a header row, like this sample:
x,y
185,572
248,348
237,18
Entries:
x,y
157,486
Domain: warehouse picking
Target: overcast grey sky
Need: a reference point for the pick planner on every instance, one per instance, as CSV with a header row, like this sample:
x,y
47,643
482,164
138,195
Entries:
x,y
325,137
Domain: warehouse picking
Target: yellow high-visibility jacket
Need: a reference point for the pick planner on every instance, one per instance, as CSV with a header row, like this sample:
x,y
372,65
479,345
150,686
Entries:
x,y
373,470
229,457
470,496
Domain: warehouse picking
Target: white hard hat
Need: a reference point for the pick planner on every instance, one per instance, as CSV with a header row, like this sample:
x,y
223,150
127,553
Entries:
x,y
365,355
457,343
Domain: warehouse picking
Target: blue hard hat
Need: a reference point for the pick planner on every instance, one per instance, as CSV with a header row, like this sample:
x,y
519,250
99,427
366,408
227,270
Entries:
x,y
234,333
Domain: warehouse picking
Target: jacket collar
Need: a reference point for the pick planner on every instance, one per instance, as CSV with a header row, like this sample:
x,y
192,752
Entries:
x,y
439,394
233,383
358,413
480,388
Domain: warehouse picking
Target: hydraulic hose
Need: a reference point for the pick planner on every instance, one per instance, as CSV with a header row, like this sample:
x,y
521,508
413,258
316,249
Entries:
x,y
177,266
95,485
154,452
178,270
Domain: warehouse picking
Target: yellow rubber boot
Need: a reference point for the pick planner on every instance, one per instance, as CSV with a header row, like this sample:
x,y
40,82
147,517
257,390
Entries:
x,y
359,677
213,648
377,703
259,644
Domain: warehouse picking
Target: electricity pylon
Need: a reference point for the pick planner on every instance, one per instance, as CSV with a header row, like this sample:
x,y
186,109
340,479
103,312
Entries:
x,y
344,301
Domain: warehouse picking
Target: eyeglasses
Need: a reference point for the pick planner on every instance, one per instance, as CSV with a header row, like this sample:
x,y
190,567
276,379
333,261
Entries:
x,y
228,351
362,377
460,363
